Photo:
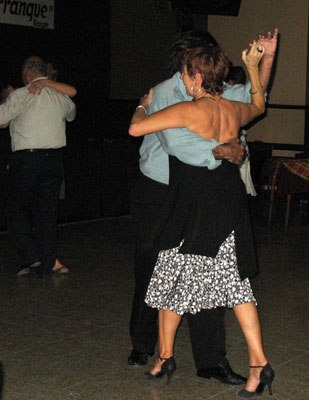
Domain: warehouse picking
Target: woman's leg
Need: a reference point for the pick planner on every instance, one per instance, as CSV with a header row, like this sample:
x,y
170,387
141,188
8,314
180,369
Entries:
x,y
168,324
249,321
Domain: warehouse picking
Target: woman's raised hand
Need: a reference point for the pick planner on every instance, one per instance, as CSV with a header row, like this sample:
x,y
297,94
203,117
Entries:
x,y
253,57
145,101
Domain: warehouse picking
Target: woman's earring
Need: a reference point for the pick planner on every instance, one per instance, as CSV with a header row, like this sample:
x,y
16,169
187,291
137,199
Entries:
x,y
199,91
192,88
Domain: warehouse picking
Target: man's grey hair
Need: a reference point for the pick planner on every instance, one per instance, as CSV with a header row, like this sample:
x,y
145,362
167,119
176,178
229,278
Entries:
x,y
36,66
39,66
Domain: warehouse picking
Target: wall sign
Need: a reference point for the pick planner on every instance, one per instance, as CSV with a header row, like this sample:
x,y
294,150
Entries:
x,y
37,13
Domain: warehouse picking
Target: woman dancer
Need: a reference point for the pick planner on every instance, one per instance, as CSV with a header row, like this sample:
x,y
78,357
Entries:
x,y
204,229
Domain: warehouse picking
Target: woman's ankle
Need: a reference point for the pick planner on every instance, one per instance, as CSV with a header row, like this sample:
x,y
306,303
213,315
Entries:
x,y
165,355
256,363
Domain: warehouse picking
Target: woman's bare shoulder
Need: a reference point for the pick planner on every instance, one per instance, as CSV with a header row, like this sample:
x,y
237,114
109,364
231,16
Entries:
x,y
185,107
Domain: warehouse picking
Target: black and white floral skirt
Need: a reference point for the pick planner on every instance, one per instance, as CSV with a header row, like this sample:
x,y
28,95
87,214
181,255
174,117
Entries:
x,y
188,283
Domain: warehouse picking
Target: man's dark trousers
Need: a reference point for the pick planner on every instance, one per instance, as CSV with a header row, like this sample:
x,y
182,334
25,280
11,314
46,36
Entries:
x,y
206,328
35,180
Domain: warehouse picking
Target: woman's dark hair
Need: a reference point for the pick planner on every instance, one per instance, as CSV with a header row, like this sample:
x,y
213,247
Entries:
x,y
186,41
213,65
236,75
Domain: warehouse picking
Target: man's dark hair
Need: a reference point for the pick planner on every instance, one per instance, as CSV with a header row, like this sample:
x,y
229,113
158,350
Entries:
x,y
186,41
236,75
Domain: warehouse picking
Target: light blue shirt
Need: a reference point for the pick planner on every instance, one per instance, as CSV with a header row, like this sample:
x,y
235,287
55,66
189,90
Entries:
x,y
188,147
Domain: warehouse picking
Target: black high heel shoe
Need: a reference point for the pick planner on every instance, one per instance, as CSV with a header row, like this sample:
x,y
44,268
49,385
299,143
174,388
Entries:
x,y
266,378
167,368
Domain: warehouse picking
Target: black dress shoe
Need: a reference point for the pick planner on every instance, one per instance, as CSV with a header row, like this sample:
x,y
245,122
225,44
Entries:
x,y
139,358
222,372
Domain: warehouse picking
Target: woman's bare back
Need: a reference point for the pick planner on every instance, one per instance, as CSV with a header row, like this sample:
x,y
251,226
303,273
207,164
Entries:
x,y
216,118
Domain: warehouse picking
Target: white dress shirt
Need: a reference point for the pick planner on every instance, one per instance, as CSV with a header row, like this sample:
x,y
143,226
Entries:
x,y
37,121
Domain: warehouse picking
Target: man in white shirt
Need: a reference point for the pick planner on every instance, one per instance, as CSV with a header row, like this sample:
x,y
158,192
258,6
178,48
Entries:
x,y
37,129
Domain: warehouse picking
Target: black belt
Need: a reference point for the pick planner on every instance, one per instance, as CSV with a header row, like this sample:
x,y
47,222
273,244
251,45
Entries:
x,y
44,151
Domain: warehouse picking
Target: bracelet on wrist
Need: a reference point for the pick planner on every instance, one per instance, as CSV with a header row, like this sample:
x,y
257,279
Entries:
x,y
250,91
143,107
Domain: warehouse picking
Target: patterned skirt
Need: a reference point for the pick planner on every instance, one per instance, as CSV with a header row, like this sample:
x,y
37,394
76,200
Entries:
x,y
188,283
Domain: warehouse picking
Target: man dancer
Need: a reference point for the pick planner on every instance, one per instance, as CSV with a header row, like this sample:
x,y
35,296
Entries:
x,y
207,327
37,128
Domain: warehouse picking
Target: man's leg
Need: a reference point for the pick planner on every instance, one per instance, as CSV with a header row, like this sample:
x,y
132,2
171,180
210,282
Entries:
x,y
207,334
23,176
45,208
143,322
146,201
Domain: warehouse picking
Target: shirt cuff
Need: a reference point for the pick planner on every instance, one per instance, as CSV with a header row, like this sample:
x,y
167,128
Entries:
x,y
213,163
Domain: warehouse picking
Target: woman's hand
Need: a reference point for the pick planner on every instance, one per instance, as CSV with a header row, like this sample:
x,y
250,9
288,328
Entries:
x,y
251,60
145,101
37,86
5,93
253,57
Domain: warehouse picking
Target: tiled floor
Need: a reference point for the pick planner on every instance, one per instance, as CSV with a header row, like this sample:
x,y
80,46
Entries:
x,y
66,338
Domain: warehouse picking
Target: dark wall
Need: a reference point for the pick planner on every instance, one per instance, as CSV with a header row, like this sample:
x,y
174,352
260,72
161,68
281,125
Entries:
x,y
78,47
